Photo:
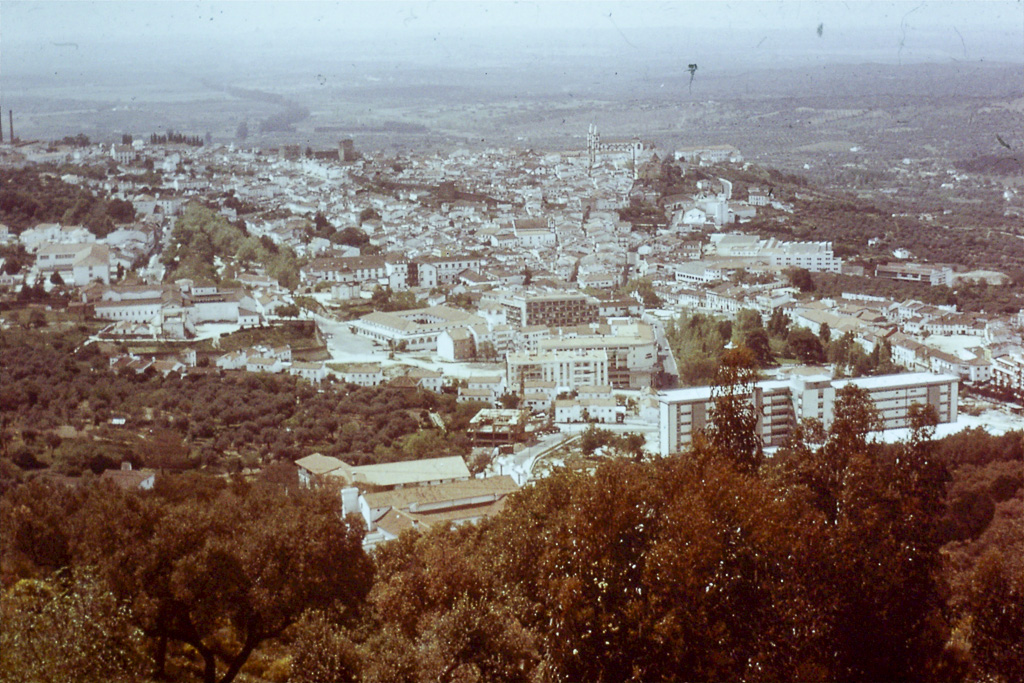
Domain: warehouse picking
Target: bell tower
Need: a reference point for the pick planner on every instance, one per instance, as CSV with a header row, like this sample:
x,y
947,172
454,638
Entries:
x,y
593,144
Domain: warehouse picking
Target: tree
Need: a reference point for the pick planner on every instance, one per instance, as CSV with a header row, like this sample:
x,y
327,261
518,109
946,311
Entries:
x,y
801,279
323,652
243,131
825,333
67,628
36,319
486,351
250,559
804,345
994,614
287,311
352,236
527,276
778,325
732,430
758,343
165,450
593,438
633,444
858,489
509,400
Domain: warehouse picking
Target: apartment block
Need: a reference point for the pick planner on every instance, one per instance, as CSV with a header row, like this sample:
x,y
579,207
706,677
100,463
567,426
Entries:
x,y
558,309
631,348
567,369
782,404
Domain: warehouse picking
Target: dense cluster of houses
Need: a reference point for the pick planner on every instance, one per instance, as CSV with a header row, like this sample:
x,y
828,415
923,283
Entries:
x,y
521,259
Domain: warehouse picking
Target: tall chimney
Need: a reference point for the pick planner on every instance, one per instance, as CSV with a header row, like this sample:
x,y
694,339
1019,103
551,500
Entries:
x,y
10,124
1,127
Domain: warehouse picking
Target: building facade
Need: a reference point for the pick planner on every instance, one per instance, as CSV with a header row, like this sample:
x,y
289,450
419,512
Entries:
x,y
781,405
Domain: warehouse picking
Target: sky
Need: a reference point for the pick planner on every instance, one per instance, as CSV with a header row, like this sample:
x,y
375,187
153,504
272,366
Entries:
x,y
37,35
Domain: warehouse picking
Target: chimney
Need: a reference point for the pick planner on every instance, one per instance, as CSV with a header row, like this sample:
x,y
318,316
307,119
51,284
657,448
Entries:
x,y
10,124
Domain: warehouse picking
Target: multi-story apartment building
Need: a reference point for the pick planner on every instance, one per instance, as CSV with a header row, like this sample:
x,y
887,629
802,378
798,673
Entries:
x,y
781,404
1008,371
894,394
569,370
631,348
558,309
816,257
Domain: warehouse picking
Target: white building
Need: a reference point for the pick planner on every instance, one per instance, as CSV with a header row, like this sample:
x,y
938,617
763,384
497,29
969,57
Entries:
x,y
313,371
567,369
418,328
77,264
781,405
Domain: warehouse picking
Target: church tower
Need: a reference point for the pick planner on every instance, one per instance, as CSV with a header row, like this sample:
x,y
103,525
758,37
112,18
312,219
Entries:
x,y
593,144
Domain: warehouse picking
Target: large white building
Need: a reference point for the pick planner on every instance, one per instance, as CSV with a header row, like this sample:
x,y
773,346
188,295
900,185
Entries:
x,y
78,264
430,271
418,328
569,370
630,345
782,404
551,309
816,257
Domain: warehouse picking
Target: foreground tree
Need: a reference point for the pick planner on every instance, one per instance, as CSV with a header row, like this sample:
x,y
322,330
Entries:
x,y
219,569
732,432
870,511
68,628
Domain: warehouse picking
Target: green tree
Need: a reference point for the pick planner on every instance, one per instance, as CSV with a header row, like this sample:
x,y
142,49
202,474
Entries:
x,y
778,325
804,345
758,343
509,400
644,288
731,434
36,319
801,279
250,559
67,628
323,651
593,438
993,614
859,489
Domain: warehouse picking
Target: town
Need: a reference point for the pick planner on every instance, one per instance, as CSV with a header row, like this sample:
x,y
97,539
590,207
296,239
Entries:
x,y
543,288
513,342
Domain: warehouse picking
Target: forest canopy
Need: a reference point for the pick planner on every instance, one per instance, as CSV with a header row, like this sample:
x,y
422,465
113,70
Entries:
x,y
713,564
29,196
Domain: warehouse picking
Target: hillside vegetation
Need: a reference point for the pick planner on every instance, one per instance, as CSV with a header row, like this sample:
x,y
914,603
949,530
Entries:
x,y
840,558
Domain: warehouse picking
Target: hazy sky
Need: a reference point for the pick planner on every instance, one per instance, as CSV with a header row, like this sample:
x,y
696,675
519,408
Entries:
x,y
48,37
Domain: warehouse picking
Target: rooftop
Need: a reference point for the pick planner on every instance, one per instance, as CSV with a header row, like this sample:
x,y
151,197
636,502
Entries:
x,y
410,471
